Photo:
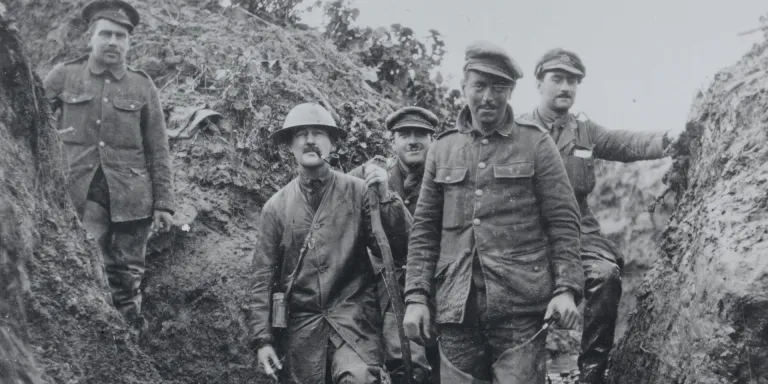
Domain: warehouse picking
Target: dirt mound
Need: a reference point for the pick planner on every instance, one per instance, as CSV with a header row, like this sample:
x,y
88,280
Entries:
x,y
55,313
702,310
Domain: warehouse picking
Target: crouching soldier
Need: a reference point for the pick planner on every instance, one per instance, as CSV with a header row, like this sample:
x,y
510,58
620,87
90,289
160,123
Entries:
x,y
558,75
412,129
113,133
495,236
313,306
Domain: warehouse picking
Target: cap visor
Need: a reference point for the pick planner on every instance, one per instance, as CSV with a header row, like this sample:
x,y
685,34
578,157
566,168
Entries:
x,y
413,125
566,68
489,70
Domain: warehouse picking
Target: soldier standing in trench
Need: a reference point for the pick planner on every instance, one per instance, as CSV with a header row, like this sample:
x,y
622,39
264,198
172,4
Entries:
x,y
412,129
113,132
495,236
559,73
313,236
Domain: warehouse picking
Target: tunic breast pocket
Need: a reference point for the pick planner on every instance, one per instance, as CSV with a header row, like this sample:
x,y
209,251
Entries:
x,y
580,166
128,122
452,181
75,115
514,181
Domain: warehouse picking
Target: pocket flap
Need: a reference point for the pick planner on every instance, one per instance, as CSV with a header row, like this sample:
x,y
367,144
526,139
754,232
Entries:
x,y
450,175
513,171
128,104
75,98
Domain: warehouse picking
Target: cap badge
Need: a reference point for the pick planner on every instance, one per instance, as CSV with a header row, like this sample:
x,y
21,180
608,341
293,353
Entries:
x,y
565,59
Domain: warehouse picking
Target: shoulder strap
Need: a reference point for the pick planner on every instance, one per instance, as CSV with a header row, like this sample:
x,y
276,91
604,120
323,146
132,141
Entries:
x,y
302,252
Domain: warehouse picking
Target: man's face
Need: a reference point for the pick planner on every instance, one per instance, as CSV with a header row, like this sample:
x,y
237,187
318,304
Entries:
x,y
487,96
411,145
109,42
310,145
558,89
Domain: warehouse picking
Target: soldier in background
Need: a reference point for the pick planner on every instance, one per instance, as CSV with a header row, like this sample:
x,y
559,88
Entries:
x,y
558,75
113,132
311,251
495,239
412,129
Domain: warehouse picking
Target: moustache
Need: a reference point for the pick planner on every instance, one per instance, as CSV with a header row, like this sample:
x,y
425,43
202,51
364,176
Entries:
x,y
414,147
565,95
312,148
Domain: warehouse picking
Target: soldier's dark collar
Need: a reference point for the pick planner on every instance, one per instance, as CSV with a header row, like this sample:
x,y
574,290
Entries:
x,y
405,169
464,123
570,120
323,174
97,68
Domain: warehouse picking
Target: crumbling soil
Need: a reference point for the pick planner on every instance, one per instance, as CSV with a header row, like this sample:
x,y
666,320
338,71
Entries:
x,y
702,312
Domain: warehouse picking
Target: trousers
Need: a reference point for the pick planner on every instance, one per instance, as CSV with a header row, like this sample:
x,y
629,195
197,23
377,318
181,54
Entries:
x,y
478,352
123,248
602,292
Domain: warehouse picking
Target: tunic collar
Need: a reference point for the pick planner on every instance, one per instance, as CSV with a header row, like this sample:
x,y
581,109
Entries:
x,y
464,123
118,71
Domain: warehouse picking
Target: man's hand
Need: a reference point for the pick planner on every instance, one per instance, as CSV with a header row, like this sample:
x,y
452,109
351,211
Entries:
x,y
267,356
162,221
566,307
373,174
418,323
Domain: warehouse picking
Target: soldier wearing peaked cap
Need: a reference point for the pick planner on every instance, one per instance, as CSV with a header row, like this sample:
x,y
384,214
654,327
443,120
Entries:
x,y
412,129
559,73
495,238
113,133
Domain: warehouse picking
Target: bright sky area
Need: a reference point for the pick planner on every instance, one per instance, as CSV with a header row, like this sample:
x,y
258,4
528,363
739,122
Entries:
x,y
645,59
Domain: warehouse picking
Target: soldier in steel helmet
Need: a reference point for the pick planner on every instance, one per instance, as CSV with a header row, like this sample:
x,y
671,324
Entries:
x,y
113,133
558,74
311,252
411,130
495,238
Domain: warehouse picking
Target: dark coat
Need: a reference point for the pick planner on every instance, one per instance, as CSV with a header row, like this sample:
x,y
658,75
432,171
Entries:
x,y
506,197
113,120
580,143
335,289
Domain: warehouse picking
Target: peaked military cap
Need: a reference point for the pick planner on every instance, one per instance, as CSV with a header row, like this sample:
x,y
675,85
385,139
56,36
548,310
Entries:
x,y
411,117
114,10
490,58
559,58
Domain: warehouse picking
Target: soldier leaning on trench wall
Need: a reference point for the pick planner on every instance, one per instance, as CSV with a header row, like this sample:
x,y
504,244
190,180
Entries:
x,y
558,75
112,128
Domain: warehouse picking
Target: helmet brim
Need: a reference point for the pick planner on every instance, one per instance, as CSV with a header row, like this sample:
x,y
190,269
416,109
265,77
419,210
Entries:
x,y
283,135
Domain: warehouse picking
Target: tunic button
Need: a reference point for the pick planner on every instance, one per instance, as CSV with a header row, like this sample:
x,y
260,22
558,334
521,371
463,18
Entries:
x,y
98,121
74,99
105,100
484,141
316,226
479,192
536,268
133,106
481,165
476,221
101,144
407,201
107,81
447,178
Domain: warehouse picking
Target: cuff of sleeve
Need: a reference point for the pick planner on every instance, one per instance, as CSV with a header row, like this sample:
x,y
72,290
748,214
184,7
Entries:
x,y
417,297
259,342
389,199
577,294
164,206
